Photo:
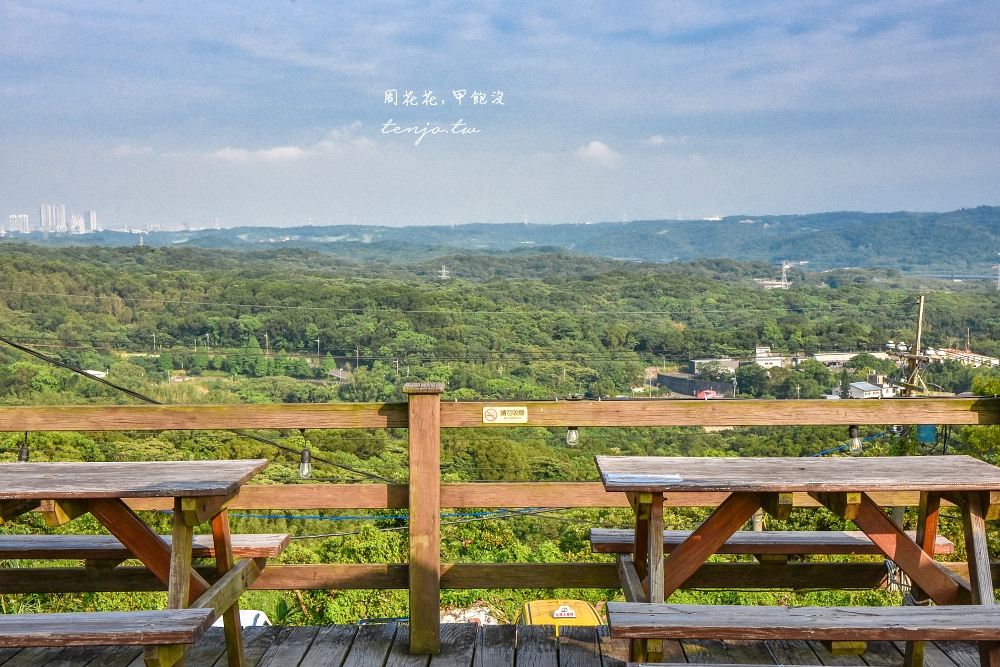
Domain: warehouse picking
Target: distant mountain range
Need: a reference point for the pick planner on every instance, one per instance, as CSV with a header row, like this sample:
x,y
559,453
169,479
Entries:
x,y
959,242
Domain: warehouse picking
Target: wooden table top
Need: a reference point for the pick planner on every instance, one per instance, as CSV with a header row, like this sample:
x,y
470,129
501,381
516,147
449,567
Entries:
x,y
893,473
144,479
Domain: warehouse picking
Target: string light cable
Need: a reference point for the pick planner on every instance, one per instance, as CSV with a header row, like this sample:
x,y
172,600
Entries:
x,y
153,401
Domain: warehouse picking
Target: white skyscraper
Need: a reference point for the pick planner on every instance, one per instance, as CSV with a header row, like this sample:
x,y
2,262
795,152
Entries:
x,y
18,223
53,218
76,224
91,221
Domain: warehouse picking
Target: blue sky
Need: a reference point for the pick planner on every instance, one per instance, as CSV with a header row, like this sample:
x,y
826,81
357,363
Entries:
x,y
271,113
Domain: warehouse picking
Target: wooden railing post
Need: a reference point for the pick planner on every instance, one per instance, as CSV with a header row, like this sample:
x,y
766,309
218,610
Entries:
x,y
425,515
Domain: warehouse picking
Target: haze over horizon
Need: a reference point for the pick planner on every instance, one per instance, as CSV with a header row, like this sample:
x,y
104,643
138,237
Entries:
x,y
273,114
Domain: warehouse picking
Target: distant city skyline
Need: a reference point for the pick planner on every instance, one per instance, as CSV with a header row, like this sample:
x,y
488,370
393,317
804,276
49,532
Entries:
x,y
281,114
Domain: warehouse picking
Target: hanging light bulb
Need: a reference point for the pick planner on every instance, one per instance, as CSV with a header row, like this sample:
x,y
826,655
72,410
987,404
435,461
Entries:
x,y
855,434
573,436
306,466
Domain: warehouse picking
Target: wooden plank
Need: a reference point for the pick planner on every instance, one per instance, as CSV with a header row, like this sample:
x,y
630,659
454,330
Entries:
x,y
205,652
119,656
107,547
615,650
206,417
34,657
536,646
739,412
399,653
256,642
782,542
173,479
76,656
911,559
628,579
653,583
289,647
963,654
705,651
139,538
578,647
174,626
791,652
495,646
634,620
425,515
330,647
60,512
671,474
748,653
980,577
225,593
458,644
481,495
831,660
844,505
710,535
882,654
370,646
778,505
197,511
179,585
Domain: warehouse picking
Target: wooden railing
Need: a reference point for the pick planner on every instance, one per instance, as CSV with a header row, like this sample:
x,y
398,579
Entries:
x,y
424,416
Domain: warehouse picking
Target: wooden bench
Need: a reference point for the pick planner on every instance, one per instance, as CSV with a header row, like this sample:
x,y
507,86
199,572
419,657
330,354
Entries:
x,y
829,625
165,634
106,549
777,543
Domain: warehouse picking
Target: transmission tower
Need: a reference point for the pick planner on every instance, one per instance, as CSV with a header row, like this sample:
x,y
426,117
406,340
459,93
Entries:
x,y
784,273
443,273
997,267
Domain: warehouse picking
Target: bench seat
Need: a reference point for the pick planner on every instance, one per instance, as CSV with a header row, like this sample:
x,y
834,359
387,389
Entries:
x,y
105,628
636,620
766,542
106,547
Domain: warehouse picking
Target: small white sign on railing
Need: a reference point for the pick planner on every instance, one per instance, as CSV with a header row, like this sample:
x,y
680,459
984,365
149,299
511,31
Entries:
x,y
505,415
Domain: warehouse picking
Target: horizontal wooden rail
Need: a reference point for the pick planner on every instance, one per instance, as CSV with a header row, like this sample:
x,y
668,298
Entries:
x,y
202,417
642,412
844,576
739,412
489,495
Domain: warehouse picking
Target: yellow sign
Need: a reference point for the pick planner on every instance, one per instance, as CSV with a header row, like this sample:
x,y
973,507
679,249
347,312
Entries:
x,y
505,415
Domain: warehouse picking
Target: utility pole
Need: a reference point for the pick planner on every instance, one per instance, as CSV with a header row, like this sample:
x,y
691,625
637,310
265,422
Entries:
x,y
913,380
317,352
997,267
396,361
154,342
267,346
207,349
357,356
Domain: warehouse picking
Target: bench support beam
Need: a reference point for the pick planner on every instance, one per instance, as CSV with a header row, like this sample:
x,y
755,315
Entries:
x,y
224,564
927,526
844,505
163,656
778,505
59,512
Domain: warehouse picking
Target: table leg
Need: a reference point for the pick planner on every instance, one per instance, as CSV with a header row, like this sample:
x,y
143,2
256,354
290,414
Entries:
x,y
691,554
140,539
179,586
654,565
640,554
223,563
974,525
927,526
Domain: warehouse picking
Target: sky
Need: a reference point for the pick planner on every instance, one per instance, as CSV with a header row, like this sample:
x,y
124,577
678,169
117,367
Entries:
x,y
274,113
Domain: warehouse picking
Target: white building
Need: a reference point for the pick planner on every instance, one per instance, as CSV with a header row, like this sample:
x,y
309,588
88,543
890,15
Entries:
x,y
865,390
841,358
965,357
18,223
76,224
763,357
53,218
91,221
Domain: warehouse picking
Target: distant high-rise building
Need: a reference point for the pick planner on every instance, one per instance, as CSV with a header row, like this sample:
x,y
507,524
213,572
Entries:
x,y
53,218
18,223
91,221
76,224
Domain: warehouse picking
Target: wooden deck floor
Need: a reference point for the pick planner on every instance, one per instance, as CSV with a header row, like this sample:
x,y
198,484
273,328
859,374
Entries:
x,y
467,645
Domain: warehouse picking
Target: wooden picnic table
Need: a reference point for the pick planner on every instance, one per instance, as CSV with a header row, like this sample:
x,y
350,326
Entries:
x,y
201,491
841,484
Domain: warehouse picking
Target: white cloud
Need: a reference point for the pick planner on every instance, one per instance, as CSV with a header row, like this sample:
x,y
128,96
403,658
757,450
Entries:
x,y
656,140
598,152
277,154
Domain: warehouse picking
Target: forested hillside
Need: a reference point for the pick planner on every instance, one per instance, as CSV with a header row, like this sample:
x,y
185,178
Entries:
x,y
959,242
188,325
